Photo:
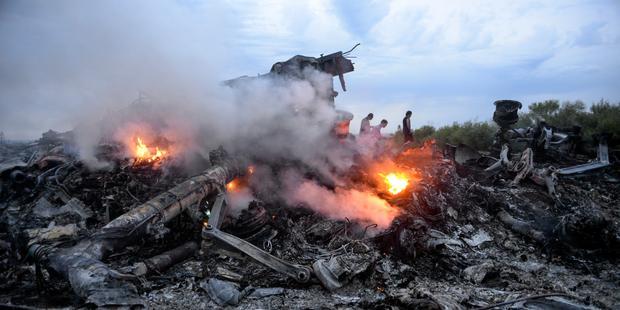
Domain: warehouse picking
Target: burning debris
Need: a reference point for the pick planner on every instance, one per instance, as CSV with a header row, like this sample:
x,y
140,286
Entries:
x,y
350,226
396,182
145,154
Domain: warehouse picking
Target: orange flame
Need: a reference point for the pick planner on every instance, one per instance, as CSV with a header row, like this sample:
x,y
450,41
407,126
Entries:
x,y
147,154
394,178
240,183
395,182
232,185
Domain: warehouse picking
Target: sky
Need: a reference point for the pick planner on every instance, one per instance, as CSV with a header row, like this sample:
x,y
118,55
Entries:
x,y
445,60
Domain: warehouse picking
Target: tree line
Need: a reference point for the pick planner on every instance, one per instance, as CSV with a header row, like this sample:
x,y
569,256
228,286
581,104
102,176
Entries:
x,y
600,117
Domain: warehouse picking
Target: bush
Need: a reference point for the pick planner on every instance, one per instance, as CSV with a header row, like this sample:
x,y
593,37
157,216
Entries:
x,y
478,135
399,137
423,133
601,117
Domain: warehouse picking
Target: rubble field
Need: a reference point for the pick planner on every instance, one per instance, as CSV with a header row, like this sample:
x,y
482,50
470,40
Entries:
x,y
463,237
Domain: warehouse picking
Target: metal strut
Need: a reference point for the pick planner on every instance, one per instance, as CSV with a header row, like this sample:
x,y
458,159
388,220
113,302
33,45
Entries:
x,y
300,273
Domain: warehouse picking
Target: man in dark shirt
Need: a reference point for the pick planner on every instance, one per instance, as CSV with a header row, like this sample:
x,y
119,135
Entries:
x,y
407,127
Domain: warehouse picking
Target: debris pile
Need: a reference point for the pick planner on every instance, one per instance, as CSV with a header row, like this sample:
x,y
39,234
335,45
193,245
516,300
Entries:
x,y
463,238
532,224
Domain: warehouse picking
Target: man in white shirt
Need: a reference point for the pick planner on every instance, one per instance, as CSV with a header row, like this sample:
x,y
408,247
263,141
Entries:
x,y
365,127
375,131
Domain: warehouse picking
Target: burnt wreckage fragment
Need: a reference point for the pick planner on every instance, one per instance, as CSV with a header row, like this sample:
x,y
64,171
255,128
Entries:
x,y
574,224
538,140
82,264
334,64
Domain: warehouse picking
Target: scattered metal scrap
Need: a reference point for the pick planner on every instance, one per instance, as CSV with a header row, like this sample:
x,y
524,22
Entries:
x,y
602,160
543,138
82,264
460,241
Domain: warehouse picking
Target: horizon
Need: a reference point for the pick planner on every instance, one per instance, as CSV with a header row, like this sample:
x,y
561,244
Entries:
x,y
446,61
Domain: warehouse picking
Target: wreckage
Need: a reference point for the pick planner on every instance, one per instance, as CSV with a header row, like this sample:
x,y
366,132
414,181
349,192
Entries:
x,y
469,229
334,64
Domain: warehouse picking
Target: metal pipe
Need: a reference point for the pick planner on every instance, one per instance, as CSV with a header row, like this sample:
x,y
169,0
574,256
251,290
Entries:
x,y
164,260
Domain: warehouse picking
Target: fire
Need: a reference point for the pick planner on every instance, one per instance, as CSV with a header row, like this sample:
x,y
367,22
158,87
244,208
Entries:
x,y
148,154
396,182
232,185
240,183
393,178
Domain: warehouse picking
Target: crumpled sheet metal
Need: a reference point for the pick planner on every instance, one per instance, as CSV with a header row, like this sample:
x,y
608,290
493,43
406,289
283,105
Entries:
x,y
51,234
226,293
327,273
524,168
101,285
11,164
340,269
45,209
222,292
602,161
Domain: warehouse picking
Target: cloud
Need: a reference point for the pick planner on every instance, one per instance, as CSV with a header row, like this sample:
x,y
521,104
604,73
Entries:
x,y
452,59
271,31
70,56
420,54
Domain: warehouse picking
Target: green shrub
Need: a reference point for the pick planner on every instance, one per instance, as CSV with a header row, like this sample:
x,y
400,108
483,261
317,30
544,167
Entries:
x,y
423,133
478,135
601,117
398,137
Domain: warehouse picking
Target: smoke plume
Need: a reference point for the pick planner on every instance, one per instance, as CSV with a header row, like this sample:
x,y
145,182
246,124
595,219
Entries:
x,y
114,70
361,206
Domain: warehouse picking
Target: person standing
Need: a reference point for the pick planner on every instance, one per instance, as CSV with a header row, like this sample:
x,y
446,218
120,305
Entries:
x,y
408,134
365,127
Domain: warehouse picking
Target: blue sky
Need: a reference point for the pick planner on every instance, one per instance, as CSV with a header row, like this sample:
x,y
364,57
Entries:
x,y
445,60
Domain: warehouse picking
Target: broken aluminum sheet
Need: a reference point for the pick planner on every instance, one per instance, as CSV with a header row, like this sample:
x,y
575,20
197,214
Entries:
x,y
601,161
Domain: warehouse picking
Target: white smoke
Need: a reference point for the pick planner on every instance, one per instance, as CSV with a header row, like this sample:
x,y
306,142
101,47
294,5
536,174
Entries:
x,y
357,204
362,206
84,63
